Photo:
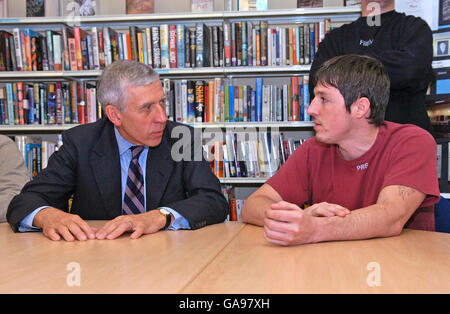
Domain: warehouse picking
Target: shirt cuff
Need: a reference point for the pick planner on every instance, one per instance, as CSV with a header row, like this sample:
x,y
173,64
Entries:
x,y
26,224
179,222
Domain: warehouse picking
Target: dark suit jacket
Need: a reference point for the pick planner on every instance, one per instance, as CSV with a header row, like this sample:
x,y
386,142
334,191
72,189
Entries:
x,y
87,167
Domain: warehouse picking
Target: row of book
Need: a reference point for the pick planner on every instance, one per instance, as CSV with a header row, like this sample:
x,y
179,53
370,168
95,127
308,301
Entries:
x,y
253,155
23,103
235,205
218,100
36,152
163,46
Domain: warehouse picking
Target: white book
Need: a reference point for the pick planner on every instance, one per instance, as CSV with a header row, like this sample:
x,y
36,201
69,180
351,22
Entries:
x,y
18,46
184,102
274,48
266,103
95,48
226,162
57,50
178,102
269,47
164,41
107,46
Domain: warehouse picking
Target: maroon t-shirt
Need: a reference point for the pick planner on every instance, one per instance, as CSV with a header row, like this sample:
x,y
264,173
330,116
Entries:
x,y
401,155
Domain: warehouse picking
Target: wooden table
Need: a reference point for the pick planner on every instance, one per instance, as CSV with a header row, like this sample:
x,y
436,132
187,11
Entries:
x,y
164,262
224,258
414,262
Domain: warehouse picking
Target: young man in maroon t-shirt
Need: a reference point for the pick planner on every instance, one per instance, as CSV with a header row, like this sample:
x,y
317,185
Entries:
x,y
362,177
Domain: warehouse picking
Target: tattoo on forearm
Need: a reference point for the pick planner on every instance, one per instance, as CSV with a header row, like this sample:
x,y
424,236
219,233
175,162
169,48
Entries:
x,y
405,191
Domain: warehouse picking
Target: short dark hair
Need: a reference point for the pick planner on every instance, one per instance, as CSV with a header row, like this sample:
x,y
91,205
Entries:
x,y
358,76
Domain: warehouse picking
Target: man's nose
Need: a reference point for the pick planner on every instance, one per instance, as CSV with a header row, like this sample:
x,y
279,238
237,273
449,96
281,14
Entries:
x,y
312,108
161,114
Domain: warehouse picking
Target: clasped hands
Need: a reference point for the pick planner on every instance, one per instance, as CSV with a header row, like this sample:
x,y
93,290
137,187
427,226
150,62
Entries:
x,y
57,224
287,224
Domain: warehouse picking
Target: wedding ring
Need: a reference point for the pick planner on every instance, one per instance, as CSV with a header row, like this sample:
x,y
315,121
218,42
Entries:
x,y
131,225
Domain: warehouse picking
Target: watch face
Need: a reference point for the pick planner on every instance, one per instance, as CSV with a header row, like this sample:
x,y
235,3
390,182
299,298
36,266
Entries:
x,y
164,211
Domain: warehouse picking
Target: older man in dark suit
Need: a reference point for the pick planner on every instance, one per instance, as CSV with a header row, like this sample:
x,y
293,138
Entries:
x,y
122,168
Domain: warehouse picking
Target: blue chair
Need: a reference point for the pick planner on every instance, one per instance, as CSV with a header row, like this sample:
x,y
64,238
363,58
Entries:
x,y
442,215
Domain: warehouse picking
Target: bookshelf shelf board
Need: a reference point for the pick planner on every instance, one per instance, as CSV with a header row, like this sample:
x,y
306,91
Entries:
x,y
267,69
48,74
217,125
208,71
244,180
226,125
36,128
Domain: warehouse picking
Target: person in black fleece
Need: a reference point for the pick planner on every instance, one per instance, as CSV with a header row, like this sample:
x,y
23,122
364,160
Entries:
x,y
403,43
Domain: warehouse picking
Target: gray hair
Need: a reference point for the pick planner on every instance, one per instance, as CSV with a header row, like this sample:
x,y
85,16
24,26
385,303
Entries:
x,y
117,76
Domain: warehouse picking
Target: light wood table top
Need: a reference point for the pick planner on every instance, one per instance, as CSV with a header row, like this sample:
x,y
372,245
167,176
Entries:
x,y
413,262
164,262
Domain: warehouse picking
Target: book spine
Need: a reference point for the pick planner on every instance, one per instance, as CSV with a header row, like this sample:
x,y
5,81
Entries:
x,y
134,45
59,104
259,86
217,91
35,98
66,102
227,43
184,101
190,101
244,43
95,48
66,60
173,46
193,45
74,101
178,102
18,48
200,55
238,44
295,104
187,47
20,97
156,47
57,52
51,104
215,46
140,45
144,53
180,46
84,53
79,54
211,101
199,101
164,39
148,35
263,37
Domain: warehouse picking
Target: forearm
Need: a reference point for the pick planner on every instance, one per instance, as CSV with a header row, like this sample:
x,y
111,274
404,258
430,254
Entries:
x,y
254,209
369,222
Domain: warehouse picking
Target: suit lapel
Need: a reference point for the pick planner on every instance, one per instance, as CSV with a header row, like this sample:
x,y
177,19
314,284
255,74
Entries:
x,y
105,165
159,168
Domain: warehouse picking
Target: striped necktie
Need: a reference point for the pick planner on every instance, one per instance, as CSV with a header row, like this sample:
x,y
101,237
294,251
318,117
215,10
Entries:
x,y
133,201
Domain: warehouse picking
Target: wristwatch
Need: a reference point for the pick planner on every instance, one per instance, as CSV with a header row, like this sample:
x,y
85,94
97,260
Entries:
x,y
168,216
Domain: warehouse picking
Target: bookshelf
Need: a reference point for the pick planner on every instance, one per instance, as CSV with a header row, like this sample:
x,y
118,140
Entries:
x,y
278,73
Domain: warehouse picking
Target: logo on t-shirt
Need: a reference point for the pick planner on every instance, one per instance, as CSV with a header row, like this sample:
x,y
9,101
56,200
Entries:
x,y
366,43
362,167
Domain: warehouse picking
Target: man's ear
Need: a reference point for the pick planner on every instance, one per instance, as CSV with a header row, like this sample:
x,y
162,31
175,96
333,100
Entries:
x,y
361,108
114,115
